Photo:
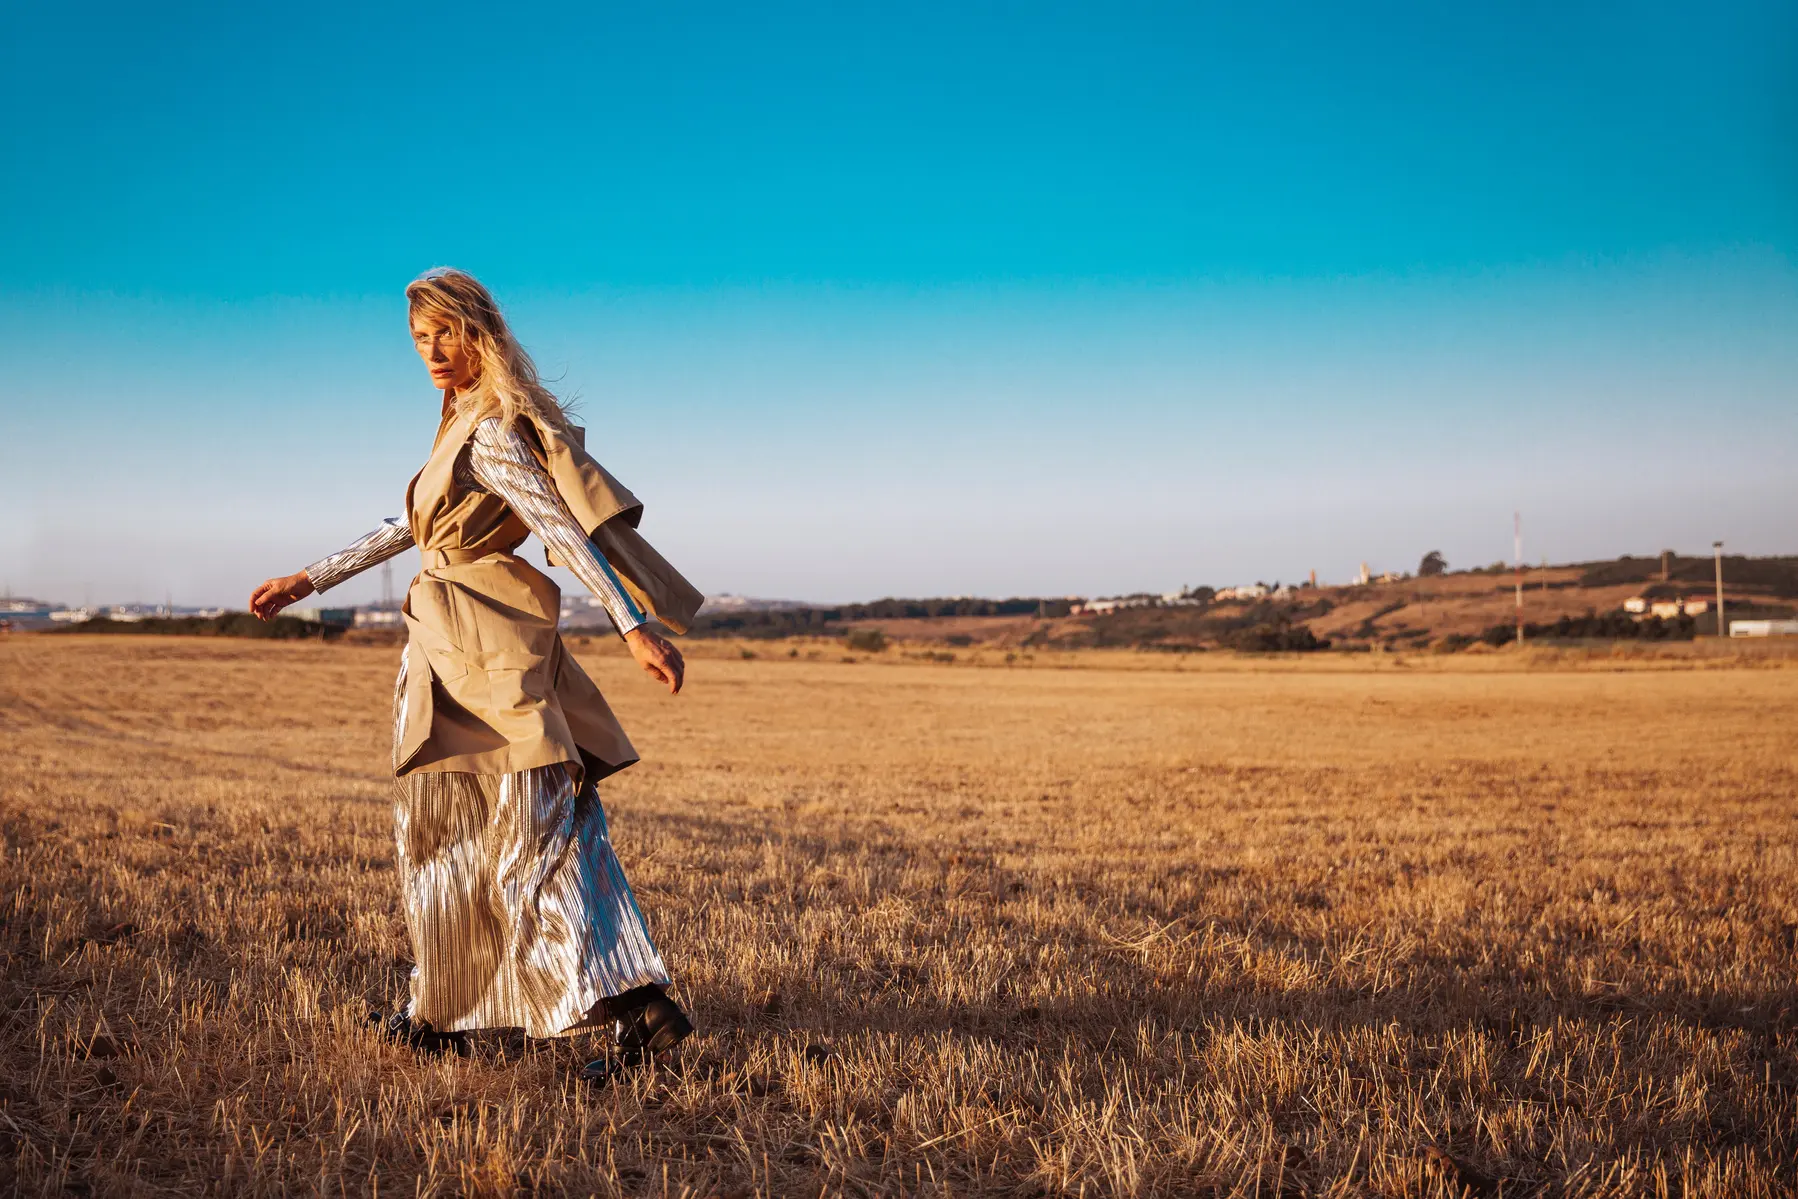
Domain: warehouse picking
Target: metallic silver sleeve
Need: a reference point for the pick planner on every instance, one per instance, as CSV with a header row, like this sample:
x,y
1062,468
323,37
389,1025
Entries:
x,y
505,466
391,537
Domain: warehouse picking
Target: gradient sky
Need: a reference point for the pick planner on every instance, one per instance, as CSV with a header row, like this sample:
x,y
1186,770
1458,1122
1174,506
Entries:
x,y
912,300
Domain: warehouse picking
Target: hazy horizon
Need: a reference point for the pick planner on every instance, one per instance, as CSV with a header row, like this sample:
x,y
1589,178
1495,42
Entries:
x,y
954,303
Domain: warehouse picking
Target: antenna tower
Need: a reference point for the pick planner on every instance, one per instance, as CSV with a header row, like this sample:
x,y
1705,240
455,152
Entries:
x,y
1717,550
1517,556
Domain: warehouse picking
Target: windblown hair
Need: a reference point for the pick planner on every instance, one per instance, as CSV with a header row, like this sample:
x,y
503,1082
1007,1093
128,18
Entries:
x,y
508,381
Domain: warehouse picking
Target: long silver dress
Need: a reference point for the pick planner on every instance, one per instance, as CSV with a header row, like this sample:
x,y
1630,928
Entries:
x,y
518,911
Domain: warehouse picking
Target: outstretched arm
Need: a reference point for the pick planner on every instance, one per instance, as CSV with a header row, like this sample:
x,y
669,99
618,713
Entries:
x,y
391,537
503,463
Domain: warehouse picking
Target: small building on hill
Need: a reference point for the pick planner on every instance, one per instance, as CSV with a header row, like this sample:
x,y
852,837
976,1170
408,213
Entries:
x,y
1666,609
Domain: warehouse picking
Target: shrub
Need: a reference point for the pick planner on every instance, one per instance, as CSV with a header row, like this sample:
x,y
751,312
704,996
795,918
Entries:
x,y
1274,639
1499,634
869,641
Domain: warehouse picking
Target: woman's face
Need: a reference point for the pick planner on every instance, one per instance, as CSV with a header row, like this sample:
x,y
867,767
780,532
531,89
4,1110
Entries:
x,y
447,356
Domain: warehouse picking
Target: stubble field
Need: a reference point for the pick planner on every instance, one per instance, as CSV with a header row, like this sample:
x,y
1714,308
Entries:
x,y
944,929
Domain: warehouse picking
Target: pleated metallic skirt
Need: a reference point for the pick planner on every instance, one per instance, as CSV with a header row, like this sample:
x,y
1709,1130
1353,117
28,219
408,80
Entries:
x,y
517,909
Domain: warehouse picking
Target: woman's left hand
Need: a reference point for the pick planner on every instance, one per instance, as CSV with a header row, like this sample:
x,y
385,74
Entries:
x,y
657,657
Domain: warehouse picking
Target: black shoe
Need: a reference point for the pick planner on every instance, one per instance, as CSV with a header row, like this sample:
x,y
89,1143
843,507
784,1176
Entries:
x,y
653,1027
418,1035
647,1022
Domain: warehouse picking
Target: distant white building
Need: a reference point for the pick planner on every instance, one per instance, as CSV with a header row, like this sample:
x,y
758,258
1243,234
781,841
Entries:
x,y
1763,628
344,617
1635,605
724,601
1112,605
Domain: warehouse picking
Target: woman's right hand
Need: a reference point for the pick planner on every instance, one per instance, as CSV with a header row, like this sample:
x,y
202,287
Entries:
x,y
276,594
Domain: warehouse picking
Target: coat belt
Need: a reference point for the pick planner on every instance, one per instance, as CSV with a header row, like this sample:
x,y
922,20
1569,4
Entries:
x,y
457,557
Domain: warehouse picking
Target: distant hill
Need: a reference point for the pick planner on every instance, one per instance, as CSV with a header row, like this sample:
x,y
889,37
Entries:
x,y
1575,600
1775,576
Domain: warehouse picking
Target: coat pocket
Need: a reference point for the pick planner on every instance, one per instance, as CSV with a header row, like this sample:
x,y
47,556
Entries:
x,y
417,709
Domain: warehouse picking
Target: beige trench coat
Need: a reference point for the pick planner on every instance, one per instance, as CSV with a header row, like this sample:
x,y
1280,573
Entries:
x,y
490,685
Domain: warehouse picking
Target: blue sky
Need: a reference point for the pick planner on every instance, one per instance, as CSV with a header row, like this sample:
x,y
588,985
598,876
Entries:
x,y
920,300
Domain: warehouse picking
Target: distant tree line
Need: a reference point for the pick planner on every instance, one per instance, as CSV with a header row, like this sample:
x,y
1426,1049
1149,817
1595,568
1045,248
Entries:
x,y
815,621
1608,626
230,624
1275,637
1192,628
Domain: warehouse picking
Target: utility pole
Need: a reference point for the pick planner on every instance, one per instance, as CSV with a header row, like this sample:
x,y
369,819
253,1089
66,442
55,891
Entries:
x,y
1517,548
1722,628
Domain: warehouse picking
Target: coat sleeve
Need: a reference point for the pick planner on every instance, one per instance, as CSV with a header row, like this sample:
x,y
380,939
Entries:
x,y
609,512
390,537
652,579
504,464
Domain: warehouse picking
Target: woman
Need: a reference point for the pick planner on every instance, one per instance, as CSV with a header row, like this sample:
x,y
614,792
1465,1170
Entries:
x,y
518,912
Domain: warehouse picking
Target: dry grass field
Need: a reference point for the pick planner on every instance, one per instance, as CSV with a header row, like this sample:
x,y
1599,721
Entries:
x,y
946,930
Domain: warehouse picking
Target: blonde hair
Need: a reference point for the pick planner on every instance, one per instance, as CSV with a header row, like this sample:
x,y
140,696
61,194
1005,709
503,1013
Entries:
x,y
508,379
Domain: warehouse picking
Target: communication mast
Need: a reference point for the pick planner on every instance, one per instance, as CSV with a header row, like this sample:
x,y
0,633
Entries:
x,y
1517,556
1722,628
387,584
